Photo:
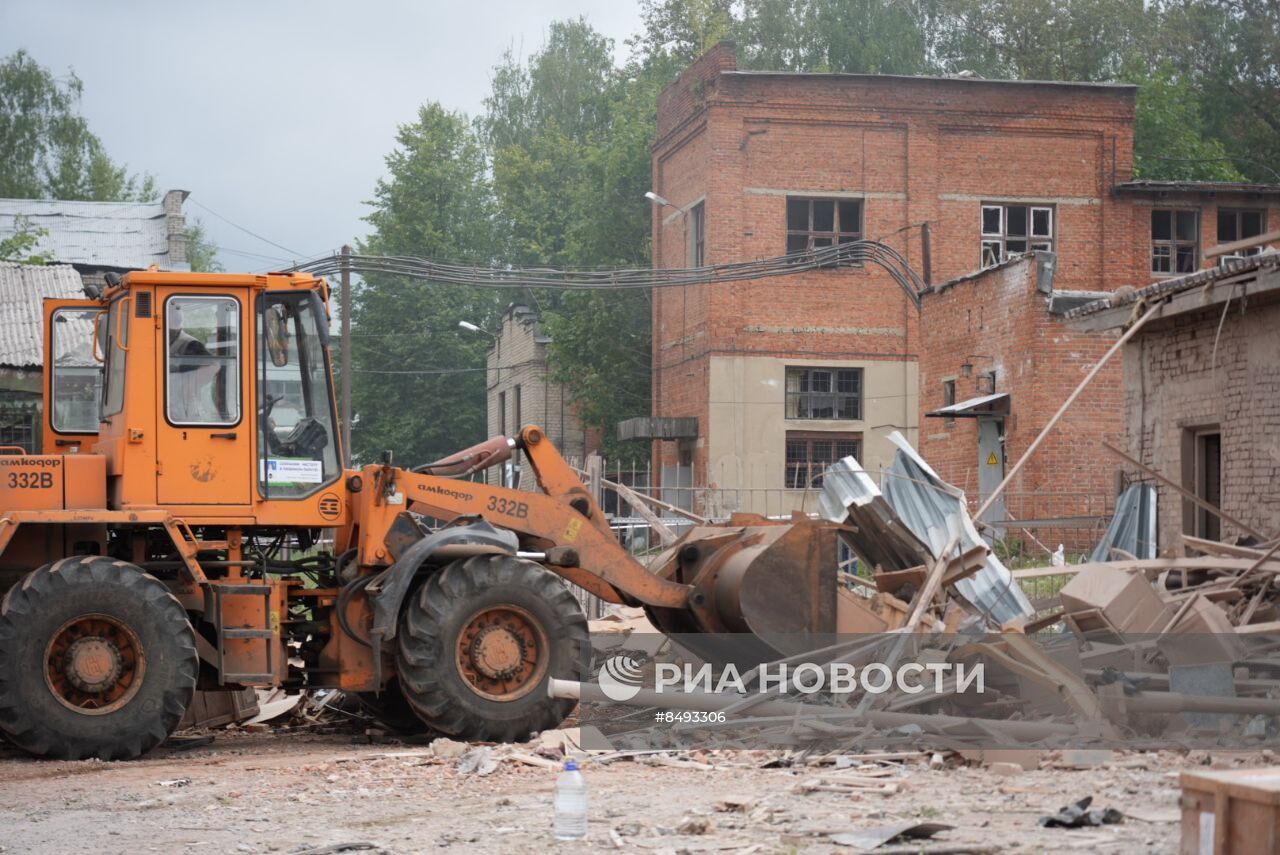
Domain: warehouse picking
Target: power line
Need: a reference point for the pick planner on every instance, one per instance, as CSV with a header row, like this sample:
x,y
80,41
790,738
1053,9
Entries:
x,y
854,253
293,253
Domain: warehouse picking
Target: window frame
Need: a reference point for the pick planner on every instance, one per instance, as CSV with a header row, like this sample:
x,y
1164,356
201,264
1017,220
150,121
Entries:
x,y
1173,241
809,437
239,359
111,326
858,396
837,234
1237,214
1000,238
698,235
93,312
262,451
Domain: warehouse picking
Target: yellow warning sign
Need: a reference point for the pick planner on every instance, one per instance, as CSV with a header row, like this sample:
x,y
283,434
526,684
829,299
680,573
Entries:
x,y
991,460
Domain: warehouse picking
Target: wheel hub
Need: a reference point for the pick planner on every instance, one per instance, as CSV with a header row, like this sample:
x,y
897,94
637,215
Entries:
x,y
498,652
93,664
502,652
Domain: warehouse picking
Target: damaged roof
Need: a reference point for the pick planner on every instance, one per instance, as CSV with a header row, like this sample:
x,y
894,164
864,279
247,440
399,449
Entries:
x,y
124,235
23,289
1226,269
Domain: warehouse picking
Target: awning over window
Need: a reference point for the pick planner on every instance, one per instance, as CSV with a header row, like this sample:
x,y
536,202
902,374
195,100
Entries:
x,y
987,405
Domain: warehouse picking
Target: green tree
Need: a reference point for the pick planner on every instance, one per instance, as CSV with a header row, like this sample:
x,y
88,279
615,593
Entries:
x,y
569,135
202,252
20,245
681,30
419,384
49,151
852,36
1170,141
1228,52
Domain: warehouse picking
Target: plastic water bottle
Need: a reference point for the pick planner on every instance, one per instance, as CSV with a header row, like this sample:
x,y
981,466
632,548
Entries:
x,y
571,804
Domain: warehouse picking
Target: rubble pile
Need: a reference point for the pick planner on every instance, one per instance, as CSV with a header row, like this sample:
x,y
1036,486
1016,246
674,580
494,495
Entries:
x,y
1155,652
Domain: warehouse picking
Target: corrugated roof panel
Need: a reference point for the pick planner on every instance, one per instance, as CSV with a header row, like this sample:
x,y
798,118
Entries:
x,y
107,234
935,511
23,289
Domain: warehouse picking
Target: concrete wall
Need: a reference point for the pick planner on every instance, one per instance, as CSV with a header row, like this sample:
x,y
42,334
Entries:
x,y
747,432
1176,383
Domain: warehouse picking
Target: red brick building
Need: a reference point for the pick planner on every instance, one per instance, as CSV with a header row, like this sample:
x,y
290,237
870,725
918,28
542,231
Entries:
x,y
784,374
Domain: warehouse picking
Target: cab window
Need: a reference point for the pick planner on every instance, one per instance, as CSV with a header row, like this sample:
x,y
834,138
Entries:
x,y
76,381
113,338
202,361
298,450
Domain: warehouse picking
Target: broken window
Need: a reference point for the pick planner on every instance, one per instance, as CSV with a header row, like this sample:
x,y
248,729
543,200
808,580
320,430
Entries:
x,y
697,235
1175,241
824,393
1234,225
949,398
810,453
815,223
1012,229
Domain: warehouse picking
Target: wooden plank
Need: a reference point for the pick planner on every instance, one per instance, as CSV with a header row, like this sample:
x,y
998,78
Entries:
x,y
1213,547
1258,628
1247,243
632,498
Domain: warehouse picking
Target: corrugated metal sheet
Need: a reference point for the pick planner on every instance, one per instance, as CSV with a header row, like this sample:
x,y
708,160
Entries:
x,y
935,511
1133,528
849,496
23,288
108,234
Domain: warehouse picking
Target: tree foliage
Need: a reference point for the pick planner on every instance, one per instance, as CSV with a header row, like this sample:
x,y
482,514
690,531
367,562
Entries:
x,y
49,151
419,384
21,245
554,170
202,252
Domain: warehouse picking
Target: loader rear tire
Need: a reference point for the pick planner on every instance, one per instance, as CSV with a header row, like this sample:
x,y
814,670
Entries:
x,y
97,659
478,642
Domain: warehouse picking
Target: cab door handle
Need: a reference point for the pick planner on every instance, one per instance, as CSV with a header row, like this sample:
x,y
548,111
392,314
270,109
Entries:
x,y
228,435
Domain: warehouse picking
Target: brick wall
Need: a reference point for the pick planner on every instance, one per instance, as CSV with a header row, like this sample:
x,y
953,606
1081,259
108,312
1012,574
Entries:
x,y
914,150
998,321
1177,384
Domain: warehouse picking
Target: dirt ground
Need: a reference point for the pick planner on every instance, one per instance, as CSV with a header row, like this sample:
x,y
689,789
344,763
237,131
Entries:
x,y
298,792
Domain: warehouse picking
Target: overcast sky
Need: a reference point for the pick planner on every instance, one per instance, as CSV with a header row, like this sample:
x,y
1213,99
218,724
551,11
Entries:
x,y
277,114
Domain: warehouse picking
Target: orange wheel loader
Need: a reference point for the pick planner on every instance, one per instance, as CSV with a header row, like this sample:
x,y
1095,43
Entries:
x,y
170,537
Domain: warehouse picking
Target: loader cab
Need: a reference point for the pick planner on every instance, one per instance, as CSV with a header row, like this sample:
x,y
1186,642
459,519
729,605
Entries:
x,y
209,394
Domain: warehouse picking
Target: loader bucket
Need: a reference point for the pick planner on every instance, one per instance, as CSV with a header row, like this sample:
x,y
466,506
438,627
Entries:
x,y
775,581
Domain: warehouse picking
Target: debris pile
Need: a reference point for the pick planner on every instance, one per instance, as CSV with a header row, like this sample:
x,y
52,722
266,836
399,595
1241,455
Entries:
x,y
1137,651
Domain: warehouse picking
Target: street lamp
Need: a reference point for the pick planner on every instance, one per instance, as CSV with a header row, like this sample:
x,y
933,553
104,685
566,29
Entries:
x,y
658,200
467,325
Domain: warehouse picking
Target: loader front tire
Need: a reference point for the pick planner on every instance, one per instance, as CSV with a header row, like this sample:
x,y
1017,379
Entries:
x,y
97,659
478,642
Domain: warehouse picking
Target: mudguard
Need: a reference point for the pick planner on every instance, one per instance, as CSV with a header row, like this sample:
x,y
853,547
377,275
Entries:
x,y
388,589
